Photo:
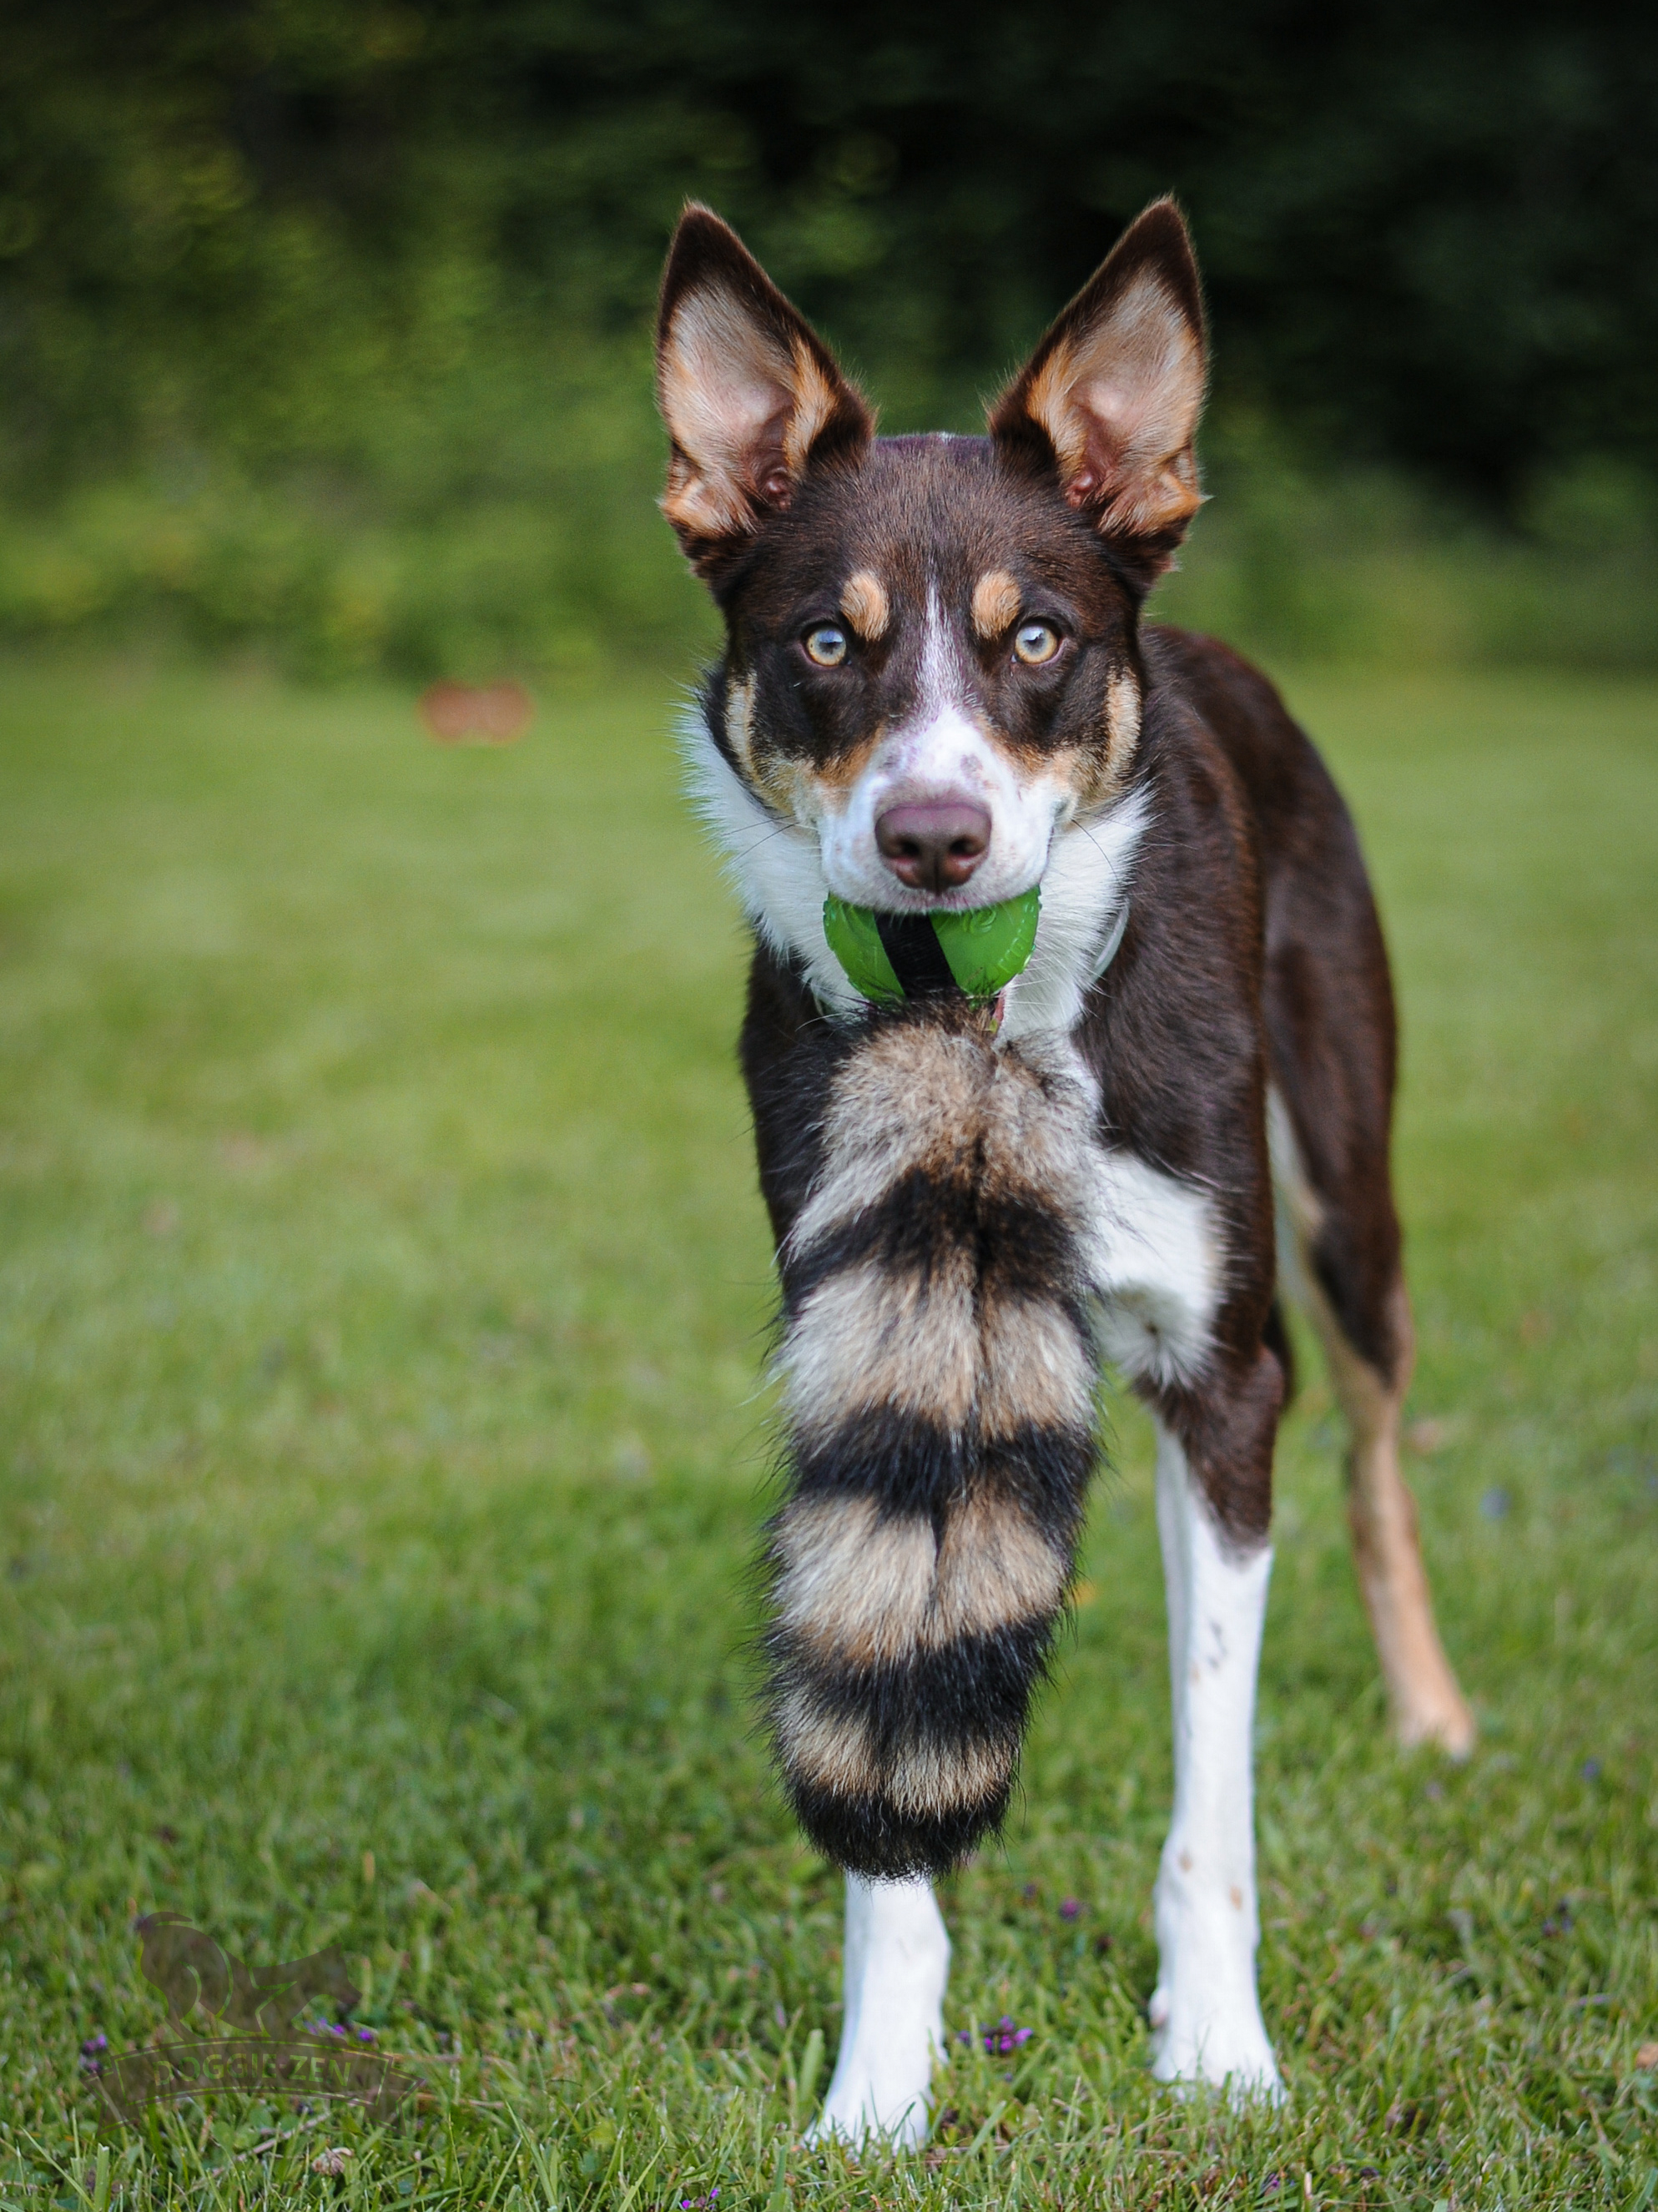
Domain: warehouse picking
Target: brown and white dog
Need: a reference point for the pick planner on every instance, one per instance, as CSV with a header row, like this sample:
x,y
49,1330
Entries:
x,y
937,692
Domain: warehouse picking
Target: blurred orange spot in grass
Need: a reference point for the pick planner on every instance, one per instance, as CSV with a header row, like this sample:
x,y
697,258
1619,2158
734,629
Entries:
x,y
477,714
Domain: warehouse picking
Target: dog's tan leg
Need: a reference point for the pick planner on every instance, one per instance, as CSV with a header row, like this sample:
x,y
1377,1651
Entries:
x,y
1428,1707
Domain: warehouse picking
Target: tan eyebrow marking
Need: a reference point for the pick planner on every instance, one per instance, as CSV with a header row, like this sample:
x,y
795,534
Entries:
x,y
864,603
996,602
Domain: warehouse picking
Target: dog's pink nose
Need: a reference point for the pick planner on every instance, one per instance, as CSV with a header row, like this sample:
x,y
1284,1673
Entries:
x,y
935,844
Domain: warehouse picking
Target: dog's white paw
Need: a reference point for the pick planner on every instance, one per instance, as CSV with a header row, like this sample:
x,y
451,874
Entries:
x,y
892,2102
1224,2046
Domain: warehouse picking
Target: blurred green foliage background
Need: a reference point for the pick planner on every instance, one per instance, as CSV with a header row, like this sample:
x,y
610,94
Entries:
x,y
323,323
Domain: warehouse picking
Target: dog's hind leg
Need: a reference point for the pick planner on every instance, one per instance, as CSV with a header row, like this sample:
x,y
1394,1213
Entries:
x,y
1330,1021
1205,2014
897,1962
1339,1259
1428,1707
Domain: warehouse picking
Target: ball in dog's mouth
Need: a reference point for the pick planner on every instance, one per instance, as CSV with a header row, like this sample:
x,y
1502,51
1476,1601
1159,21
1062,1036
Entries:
x,y
976,951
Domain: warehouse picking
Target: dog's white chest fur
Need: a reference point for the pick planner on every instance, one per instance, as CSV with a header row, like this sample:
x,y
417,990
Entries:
x,y
1159,1268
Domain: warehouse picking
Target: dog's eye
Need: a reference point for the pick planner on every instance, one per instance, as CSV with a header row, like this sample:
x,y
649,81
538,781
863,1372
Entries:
x,y
826,646
1034,642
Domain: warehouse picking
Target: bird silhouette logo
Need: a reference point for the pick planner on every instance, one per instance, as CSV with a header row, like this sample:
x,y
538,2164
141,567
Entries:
x,y
192,1973
244,2029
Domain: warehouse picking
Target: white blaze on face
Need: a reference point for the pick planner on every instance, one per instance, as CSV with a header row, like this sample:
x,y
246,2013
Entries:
x,y
942,751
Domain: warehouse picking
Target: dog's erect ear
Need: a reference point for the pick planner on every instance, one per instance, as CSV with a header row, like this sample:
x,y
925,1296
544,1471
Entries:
x,y
750,392
1113,393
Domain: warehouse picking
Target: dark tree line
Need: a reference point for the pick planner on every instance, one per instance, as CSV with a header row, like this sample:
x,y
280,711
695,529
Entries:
x,y
1430,228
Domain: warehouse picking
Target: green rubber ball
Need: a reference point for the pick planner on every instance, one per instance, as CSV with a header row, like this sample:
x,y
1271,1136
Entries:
x,y
985,946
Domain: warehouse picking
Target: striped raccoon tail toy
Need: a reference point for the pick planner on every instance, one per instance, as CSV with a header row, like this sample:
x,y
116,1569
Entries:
x,y
939,1370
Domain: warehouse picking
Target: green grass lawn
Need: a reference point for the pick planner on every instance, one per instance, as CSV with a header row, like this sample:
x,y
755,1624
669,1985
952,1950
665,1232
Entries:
x,y
383,1298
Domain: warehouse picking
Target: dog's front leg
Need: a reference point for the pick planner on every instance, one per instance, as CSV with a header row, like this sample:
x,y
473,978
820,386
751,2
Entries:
x,y
1205,2014
892,2028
